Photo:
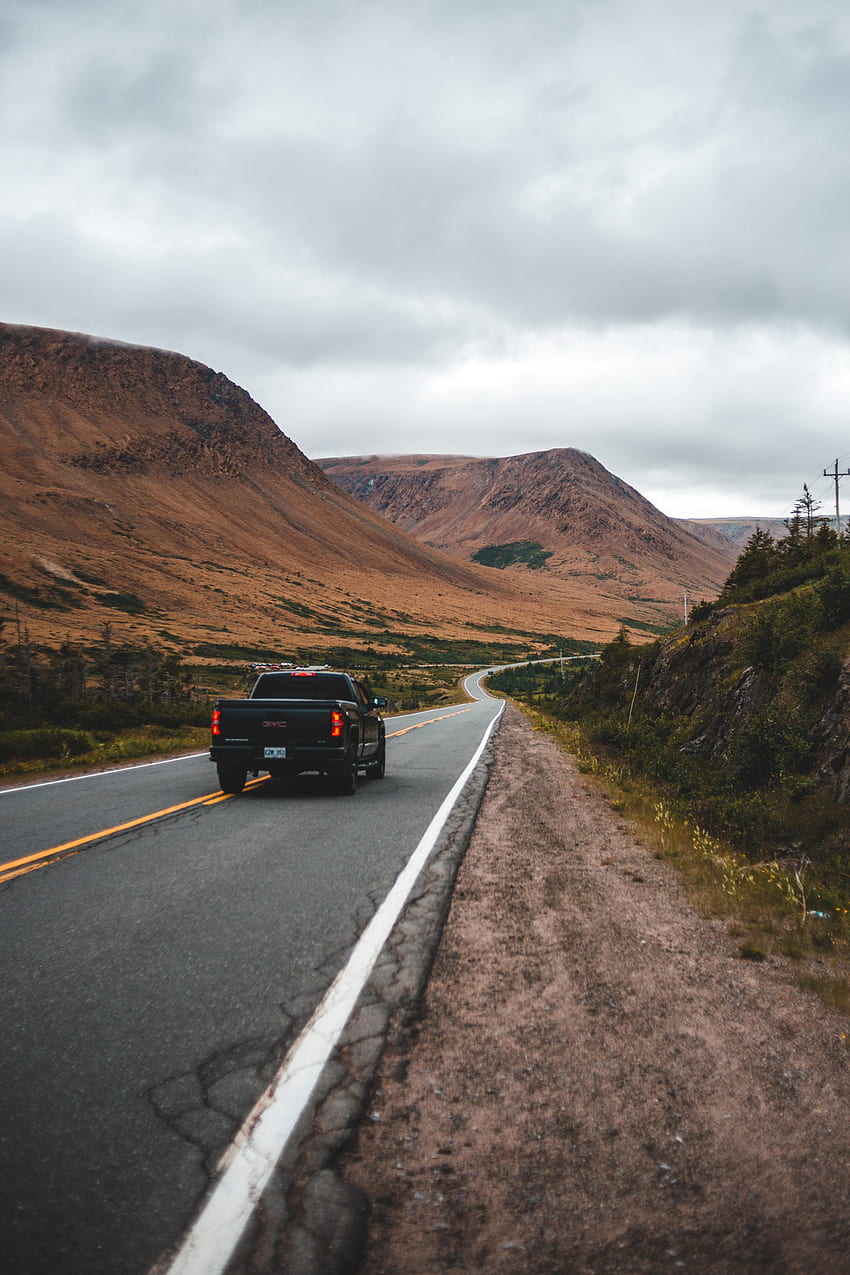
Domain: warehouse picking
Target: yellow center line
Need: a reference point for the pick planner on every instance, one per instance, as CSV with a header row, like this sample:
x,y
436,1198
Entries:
x,y
225,796
208,800
17,866
419,725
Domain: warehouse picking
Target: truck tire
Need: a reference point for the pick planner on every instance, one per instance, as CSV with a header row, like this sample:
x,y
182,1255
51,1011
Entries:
x,y
231,778
378,768
345,780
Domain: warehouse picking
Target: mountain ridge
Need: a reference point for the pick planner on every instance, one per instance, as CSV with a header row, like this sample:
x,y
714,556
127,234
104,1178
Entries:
x,y
590,523
144,489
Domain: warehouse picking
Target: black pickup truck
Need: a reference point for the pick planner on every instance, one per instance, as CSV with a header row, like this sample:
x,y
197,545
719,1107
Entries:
x,y
296,721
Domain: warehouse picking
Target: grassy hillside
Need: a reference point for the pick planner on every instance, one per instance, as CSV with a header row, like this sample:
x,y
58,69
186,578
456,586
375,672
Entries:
x,y
741,720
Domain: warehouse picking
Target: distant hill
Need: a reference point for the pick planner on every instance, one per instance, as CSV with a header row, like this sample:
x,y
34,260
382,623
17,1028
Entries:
x,y
737,530
558,515
141,488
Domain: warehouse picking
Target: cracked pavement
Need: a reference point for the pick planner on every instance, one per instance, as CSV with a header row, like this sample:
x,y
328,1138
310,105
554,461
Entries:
x,y
310,1221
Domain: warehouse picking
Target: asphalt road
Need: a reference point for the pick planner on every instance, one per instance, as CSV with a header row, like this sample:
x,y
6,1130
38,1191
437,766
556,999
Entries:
x,y
152,981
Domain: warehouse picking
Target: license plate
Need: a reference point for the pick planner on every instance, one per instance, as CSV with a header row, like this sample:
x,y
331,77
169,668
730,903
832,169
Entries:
x,y
274,752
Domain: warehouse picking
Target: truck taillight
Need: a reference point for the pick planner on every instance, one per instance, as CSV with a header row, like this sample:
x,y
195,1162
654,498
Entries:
x,y
216,721
336,724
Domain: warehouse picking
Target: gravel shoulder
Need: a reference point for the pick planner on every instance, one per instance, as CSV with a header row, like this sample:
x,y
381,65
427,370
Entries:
x,y
597,1082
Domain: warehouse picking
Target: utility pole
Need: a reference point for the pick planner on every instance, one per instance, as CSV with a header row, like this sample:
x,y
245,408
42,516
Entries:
x,y
835,475
685,604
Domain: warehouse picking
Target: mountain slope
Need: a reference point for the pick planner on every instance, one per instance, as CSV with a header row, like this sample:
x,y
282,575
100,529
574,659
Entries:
x,y
593,529
141,487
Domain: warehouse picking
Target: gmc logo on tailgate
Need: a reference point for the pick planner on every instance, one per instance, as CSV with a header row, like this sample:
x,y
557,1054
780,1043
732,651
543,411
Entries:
x,y
269,724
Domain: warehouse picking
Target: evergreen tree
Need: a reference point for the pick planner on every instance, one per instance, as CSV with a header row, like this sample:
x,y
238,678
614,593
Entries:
x,y
757,560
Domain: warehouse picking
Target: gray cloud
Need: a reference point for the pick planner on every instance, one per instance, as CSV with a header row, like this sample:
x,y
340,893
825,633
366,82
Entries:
x,y
480,227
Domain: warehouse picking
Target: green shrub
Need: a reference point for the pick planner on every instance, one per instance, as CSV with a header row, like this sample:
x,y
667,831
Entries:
x,y
768,745
819,668
778,632
833,596
529,553
128,602
23,745
701,611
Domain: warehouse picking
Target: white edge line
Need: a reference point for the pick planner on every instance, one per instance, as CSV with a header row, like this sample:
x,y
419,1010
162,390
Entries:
x,y
259,1144
97,774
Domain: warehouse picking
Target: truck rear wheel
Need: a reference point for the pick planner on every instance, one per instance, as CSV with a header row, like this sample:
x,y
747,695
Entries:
x,y
231,778
378,768
345,780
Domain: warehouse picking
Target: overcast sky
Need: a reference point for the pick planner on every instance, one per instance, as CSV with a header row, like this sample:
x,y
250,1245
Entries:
x,y
466,226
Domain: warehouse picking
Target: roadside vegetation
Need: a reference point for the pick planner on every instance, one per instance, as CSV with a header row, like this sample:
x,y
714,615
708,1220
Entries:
x,y
725,739
392,650
91,705
82,706
773,907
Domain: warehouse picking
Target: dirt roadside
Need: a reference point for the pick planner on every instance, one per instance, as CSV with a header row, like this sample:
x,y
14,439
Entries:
x,y
598,1083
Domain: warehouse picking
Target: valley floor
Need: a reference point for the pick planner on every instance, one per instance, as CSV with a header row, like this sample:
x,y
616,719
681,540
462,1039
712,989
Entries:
x,y
599,1083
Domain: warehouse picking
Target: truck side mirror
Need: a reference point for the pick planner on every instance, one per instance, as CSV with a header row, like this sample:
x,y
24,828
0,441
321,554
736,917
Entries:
x,y
379,701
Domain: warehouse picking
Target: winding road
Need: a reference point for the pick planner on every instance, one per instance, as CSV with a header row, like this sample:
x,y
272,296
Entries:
x,y
163,947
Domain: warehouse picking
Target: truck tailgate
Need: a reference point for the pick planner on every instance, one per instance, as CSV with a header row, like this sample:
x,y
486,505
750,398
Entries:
x,y
275,721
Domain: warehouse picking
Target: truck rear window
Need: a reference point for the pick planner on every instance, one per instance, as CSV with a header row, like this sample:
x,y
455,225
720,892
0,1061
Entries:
x,y
289,686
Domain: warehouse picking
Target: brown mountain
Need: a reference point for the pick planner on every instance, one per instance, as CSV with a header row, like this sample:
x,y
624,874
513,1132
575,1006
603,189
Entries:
x,y
558,514
144,489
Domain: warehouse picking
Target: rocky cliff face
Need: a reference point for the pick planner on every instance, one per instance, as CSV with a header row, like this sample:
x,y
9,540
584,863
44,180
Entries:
x,y
701,678
832,739
696,675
